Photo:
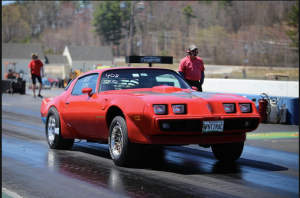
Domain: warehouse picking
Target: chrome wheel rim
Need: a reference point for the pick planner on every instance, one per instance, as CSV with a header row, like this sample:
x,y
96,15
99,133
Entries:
x,y
51,129
116,141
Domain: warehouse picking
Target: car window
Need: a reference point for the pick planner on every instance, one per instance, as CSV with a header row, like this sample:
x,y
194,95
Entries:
x,y
86,81
140,78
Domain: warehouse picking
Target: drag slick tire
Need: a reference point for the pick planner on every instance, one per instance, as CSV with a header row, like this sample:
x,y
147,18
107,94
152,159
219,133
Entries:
x,y
122,151
228,152
53,132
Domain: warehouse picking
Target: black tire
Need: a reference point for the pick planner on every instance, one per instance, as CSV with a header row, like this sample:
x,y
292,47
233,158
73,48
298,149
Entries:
x,y
53,132
23,87
229,152
122,151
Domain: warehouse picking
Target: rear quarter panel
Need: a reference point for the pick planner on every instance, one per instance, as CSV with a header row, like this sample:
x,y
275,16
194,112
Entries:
x,y
58,102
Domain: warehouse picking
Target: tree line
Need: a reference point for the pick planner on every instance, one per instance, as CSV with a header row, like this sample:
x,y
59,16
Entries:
x,y
262,33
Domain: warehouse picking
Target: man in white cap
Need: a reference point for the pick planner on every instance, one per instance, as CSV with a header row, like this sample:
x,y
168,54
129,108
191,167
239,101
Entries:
x,y
191,68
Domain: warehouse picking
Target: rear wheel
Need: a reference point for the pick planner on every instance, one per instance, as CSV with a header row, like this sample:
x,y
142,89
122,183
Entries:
x,y
122,151
228,152
53,133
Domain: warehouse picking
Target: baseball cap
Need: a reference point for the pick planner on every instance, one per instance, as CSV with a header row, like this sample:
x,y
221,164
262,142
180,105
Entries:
x,y
192,47
34,55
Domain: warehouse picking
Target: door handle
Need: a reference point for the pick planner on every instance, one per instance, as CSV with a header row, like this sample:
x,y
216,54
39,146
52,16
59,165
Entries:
x,y
67,103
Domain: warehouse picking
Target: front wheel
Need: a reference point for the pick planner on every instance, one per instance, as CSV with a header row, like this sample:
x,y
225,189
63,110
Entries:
x,y
122,151
228,152
53,134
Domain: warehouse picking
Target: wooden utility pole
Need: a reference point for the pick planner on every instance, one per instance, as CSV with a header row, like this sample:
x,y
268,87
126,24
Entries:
x,y
131,29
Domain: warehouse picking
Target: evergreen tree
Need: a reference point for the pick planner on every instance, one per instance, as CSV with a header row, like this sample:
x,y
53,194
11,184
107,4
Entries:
x,y
294,22
108,20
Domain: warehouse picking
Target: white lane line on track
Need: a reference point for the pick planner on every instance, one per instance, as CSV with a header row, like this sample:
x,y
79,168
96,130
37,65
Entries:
x,y
10,193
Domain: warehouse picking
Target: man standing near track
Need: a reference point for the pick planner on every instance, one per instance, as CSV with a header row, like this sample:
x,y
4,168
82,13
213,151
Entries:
x,y
191,68
35,67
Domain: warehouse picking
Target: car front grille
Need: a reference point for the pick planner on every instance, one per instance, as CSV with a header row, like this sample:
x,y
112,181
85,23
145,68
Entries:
x,y
196,125
181,126
240,124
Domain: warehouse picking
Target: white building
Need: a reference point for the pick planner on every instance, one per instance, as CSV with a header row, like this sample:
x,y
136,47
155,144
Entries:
x,y
87,58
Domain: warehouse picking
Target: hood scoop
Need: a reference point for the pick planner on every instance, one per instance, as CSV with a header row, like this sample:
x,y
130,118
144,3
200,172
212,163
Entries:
x,y
165,89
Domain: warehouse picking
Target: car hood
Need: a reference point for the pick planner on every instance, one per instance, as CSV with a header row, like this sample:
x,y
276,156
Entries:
x,y
168,93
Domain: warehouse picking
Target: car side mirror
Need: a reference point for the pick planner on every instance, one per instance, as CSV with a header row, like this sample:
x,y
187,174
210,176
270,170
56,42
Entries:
x,y
195,88
88,91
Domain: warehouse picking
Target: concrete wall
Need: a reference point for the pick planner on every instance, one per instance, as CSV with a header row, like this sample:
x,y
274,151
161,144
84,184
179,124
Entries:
x,y
286,92
276,88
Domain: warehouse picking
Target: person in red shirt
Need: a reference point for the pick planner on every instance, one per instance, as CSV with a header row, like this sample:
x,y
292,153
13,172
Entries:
x,y
35,66
191,68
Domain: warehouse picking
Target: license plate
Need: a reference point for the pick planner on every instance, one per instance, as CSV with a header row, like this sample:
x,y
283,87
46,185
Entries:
x,y
213,126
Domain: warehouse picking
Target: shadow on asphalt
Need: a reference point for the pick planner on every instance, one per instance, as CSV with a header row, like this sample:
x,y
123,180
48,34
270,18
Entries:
x,y
179,160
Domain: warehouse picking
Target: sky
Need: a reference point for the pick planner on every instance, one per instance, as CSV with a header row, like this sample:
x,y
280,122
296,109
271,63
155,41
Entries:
x,y
6,2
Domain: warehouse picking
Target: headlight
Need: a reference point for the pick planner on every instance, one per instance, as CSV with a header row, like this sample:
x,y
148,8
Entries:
x,y
159,109
229,108
245,108
178,109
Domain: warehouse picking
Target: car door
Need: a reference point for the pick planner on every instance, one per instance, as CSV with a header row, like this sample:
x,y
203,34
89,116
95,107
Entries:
x,y
80,108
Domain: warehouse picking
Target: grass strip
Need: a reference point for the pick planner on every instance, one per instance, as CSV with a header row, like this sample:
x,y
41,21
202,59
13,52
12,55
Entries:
x,y
273,135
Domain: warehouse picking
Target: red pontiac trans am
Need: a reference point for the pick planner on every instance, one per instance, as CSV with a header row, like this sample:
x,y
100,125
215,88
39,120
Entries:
x,y
131,109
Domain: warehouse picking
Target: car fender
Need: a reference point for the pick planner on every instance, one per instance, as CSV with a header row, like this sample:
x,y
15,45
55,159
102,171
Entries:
x,y
131,106
134,116
135,133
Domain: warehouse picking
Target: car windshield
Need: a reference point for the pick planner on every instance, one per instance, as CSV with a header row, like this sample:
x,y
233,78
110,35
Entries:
x,y
140,78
